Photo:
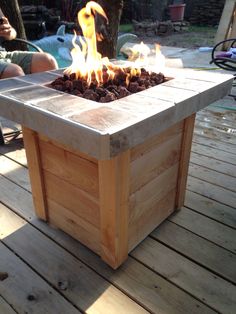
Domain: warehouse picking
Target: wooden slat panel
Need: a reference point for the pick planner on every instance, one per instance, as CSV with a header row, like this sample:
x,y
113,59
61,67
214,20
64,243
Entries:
x,y
204,285
184,160
211,208
36,176
84,288
150,194
72,198
206,228
148,219
153,163
114,182
74,225
71,168
66,148
198,249
151,143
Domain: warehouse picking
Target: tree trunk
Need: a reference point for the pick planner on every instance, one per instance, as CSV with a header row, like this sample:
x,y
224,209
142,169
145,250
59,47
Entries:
x,y
113,10
11,10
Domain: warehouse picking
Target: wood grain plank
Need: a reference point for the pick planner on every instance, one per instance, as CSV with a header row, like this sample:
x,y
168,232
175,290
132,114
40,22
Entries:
x,y
219,113
114,182
16,198
197,249
150,194
217,120
23,283
15,151
213,164
141,223
214,291
14,172
74,225
206,228
66,148
70,167
213,177
153,163
214,132
208,142
214,153
184,160
154,141
56,265
211,208
212,191
63,193
225,21
35,172
5,308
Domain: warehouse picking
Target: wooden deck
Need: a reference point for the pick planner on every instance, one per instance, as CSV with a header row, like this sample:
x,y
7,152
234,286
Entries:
x,y
187,265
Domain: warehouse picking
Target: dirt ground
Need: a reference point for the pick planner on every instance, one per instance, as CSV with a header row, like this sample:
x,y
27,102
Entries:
x,y
194,38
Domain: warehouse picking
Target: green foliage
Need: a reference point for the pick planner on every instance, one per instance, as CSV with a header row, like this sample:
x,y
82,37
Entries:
x,y
126,28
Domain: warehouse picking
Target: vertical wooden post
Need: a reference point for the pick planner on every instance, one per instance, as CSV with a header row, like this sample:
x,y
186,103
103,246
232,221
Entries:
x,y
225,23
184,160
114,195
35,172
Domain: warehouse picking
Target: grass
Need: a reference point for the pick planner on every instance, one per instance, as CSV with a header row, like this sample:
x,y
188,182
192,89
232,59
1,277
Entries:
x,y
202,29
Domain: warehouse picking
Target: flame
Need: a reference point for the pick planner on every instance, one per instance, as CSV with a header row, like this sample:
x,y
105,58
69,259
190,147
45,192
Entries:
x,y
87,62
159,59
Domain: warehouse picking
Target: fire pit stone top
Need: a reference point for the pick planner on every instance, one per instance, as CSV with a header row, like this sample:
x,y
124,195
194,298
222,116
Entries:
x,y
103,130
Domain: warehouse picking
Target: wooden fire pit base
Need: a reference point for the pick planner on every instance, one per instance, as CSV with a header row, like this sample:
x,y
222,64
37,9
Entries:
x,y
110,205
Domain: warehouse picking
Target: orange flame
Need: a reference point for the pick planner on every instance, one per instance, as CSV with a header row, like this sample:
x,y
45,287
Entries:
x,y
87,62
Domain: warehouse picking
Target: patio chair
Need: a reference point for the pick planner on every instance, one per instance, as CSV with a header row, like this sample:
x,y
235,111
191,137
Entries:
x,y
225,60
15,133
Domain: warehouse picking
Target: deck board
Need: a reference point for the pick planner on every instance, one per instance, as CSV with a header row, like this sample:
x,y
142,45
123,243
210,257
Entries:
x,y
186,265
5,307
26,291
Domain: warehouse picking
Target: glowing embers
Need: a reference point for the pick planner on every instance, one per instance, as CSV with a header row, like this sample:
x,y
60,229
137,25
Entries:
x,y
111,89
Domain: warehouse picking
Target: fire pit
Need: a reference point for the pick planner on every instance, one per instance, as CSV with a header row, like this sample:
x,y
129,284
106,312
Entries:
x,y
109,173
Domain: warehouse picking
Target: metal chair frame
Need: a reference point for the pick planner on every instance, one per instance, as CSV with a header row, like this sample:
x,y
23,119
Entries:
x,y
15,134
224,63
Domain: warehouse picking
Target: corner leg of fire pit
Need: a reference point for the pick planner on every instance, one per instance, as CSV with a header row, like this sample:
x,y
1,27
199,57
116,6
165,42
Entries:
x,y
184,160
114,195
31,144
